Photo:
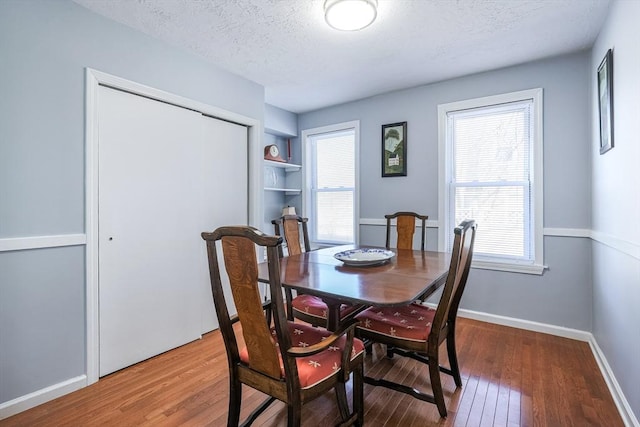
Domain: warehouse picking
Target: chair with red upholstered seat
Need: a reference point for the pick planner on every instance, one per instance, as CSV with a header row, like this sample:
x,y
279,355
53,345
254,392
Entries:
x,y
417,331
290,362
308,308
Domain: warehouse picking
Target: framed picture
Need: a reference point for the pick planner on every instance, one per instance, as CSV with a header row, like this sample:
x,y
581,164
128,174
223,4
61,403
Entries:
x,y
394,149
605,102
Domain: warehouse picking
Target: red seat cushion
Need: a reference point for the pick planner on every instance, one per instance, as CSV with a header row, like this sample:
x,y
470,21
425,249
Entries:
x,y
314,306
410,322
320,366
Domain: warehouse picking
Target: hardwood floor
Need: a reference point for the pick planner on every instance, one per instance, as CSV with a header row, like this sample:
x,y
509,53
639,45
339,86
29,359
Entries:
x,y
510,377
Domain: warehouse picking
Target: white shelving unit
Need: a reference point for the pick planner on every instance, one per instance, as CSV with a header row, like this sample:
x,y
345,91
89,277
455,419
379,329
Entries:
x,y
282,183
288,167
273,179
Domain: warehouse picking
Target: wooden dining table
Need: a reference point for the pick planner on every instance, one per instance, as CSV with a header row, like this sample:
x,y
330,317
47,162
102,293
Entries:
x,y
409,275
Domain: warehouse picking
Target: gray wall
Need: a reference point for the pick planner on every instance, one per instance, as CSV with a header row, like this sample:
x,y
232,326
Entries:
x,y
616,203
280,122
563,295
45,46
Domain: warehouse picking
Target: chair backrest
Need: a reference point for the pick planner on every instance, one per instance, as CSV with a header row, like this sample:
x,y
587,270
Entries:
x,y
406,226
290,226
239,254
464,237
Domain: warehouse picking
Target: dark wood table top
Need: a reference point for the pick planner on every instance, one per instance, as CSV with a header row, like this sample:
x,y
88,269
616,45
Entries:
x,y
403,279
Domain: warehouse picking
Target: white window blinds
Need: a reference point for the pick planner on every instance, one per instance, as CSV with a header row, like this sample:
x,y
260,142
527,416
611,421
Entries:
x,y
490,177
333,187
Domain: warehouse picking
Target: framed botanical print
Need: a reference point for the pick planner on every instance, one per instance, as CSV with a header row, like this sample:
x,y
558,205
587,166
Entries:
x,y
394,149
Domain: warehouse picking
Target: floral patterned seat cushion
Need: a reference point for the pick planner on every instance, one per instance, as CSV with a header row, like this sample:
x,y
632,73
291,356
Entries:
x,y
410,322
314,306
313,369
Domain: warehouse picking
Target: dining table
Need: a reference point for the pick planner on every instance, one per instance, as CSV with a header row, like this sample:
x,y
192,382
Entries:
x,y
406,276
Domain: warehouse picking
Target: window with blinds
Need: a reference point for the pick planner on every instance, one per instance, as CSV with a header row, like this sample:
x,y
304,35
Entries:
x,y
491,151
333,182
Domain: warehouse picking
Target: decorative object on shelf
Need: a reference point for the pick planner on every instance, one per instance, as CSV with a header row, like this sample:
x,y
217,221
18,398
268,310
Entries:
x,y
394,149
350,15
289,210
289,149
605,102
270,177
272,152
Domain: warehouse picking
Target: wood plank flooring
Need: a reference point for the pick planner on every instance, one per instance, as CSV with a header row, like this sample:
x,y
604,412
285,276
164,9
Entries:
x,y
510,378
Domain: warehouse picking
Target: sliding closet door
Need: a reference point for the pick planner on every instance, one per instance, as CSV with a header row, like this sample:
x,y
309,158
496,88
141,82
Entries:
x,y
158,190
225,195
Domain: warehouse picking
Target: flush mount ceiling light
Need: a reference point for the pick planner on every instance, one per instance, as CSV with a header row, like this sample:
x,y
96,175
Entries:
x,y
350,15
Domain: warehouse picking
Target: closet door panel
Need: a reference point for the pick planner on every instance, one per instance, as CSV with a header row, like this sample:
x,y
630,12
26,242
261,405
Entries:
x,y
225,194
150,178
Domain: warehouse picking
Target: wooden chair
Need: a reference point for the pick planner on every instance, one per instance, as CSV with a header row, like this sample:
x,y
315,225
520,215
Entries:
x,y
417,331
272,361
406,226
405,229
307,308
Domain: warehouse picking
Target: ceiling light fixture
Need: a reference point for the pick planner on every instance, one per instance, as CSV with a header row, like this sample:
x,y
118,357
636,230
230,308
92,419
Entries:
x,y
350,15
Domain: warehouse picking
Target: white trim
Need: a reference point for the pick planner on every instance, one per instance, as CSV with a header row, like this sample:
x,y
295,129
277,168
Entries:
x,y
624,408
306,173
443,210
509,267
528,325
538,168
537,156
624,246
42,242
91,226
567,232
94,79
39,242
630,248
41,396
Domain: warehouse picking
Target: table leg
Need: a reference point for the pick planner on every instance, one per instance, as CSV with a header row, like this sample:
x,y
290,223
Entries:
x,y
333,313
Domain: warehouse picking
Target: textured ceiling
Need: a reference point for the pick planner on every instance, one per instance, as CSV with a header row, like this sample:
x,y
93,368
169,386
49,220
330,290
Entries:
x,y
286,46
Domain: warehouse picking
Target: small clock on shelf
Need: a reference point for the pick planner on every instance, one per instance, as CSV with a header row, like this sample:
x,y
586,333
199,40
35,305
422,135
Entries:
x,y
272,152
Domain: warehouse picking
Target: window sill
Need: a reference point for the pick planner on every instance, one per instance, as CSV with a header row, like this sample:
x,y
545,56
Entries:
x,y
536,269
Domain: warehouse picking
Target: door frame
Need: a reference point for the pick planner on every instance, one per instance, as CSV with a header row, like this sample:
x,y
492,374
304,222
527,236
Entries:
x,y
94,79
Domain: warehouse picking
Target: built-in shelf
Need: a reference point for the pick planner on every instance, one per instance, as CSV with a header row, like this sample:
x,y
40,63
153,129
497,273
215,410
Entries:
x,y
288,191
289,167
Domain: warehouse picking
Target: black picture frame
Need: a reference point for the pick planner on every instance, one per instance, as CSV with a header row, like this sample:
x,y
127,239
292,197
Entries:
x,y
394,149
605,102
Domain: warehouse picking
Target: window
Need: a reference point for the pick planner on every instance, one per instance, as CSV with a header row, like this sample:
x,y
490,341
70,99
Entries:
x,y
491,171
330,193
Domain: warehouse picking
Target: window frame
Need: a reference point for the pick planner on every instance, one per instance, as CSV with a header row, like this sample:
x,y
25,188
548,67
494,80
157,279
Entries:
x,y
445,166
308,173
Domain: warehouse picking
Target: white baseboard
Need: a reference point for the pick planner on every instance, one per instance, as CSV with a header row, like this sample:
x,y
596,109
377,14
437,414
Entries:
x,y
39,397
528,325
628,417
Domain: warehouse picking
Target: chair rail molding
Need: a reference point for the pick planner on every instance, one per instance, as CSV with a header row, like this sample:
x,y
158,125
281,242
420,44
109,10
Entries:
x,y
626,247
40,242
383,222
621,245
